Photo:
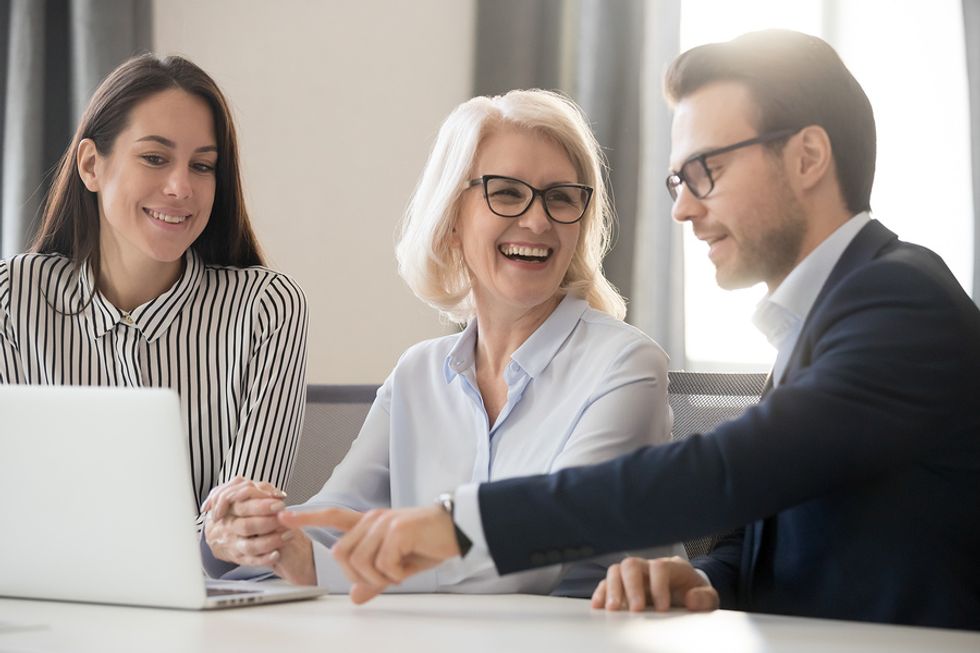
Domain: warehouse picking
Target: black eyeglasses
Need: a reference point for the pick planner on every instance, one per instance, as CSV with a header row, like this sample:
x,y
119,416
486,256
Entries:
x,y
695,172
511,198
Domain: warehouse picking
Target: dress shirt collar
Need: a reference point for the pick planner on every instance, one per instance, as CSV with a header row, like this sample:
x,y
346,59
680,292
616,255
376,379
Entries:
x,y
535,353
151,318
781,312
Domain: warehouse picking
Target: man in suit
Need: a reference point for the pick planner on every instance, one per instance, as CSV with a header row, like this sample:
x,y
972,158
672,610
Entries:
x,y
851,490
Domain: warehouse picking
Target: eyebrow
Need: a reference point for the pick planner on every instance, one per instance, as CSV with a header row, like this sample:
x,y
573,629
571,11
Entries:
x,y
166,142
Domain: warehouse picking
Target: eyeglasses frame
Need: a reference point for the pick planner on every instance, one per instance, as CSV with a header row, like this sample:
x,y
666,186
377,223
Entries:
x,y
535,193
676,178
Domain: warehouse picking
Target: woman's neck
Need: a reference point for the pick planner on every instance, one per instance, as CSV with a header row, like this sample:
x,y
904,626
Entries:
x,y
129,281
500,335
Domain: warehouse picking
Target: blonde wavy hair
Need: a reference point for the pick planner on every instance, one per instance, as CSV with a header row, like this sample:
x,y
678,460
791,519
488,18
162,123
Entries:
x,y
427,261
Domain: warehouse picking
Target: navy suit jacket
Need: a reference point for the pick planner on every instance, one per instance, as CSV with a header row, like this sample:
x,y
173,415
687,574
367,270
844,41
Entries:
x,y
853,487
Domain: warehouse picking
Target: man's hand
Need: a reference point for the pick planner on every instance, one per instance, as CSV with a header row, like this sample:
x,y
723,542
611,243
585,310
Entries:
x,y
636,583
383,547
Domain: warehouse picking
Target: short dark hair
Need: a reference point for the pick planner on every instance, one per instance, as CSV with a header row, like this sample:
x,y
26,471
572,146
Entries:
x,y
70,222
796,80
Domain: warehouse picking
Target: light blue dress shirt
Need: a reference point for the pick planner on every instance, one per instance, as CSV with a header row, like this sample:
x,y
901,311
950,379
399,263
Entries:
x,y
583,388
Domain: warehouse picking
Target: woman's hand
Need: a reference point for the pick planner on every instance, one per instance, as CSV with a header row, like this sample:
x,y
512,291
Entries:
x,y
240,522
241,527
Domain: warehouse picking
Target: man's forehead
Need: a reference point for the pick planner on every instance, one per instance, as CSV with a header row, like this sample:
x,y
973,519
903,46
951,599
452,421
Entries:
x,y
714,116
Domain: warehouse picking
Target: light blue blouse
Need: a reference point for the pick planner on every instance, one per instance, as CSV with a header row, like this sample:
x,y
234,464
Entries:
x,y
583,388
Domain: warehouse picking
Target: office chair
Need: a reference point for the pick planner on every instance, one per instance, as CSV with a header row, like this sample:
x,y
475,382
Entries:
x,y
334,415
701,401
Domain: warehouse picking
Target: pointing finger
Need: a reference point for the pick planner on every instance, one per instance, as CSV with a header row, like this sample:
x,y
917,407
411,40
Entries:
x,y
338,518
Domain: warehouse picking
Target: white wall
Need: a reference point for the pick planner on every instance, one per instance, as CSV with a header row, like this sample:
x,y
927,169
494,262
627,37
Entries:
x,y
336,105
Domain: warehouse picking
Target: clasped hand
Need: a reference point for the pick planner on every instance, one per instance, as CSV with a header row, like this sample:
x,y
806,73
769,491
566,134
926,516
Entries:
x,y
241,527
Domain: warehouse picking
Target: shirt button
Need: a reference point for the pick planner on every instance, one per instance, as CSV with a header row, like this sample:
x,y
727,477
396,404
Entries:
x,y
514,367
128,320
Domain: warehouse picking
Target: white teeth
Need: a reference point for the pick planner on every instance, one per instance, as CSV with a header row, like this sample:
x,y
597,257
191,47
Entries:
x,y
514,250
163,217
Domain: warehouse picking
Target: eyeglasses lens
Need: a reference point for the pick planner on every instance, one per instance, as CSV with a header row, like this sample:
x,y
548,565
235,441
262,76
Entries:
x,y
510,198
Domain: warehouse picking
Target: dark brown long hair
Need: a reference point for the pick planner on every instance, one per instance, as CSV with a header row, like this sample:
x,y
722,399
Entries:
x,y
70,223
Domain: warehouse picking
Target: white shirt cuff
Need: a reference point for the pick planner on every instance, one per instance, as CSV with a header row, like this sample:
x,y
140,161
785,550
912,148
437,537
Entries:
x,y
467,515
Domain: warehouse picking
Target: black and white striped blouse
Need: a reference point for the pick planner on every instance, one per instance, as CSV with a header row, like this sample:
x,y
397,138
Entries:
x,y
230,341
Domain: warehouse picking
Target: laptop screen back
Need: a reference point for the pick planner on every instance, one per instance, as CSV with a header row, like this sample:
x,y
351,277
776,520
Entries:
x,y
98,504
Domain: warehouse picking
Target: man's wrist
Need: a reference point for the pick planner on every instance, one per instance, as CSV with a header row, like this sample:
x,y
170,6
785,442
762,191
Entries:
x,y
447,502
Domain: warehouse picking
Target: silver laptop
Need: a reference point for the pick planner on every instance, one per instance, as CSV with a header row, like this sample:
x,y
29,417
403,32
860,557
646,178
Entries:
x,y
98,505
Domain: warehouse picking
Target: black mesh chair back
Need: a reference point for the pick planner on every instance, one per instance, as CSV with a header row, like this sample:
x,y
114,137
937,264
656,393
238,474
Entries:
x,y
701,401
334,415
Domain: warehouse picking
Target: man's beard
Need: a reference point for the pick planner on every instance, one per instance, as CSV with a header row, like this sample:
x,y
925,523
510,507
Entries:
x,y
771,254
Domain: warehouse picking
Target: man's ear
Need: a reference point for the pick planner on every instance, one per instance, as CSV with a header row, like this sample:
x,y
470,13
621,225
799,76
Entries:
x,y
814,156
86,160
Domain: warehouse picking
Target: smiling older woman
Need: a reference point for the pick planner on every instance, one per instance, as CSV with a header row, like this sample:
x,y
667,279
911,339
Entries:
x,y
506,233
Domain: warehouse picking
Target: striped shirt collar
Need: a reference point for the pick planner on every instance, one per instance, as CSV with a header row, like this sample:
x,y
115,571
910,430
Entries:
x,y
152,318
535,353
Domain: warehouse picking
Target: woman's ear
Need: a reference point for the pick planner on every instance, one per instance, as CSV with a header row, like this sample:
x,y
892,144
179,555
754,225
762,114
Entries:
x,y
86,160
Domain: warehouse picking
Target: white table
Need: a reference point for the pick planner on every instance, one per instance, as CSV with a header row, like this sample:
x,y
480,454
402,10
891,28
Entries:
x,y
454,624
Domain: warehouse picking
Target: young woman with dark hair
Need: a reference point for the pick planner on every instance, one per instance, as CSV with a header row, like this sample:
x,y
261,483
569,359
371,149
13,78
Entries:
x,y
145,271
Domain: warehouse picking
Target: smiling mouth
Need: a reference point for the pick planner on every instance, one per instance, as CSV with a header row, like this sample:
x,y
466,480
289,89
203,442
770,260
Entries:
x,y
526,254
166,217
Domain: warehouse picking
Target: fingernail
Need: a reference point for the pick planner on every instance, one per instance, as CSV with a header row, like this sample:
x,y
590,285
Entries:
x,y
277,506
288,535
274,555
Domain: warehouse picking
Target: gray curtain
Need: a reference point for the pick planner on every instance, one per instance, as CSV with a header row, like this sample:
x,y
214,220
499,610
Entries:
x,y
971,25
606,56
53,53
658,268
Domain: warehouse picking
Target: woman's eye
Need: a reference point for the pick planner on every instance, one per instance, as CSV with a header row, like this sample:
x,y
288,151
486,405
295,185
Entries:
x,y
153,159
559,196
203,167
507,193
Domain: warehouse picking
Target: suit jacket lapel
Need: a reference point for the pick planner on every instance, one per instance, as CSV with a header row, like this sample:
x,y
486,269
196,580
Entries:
x,y
865,246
